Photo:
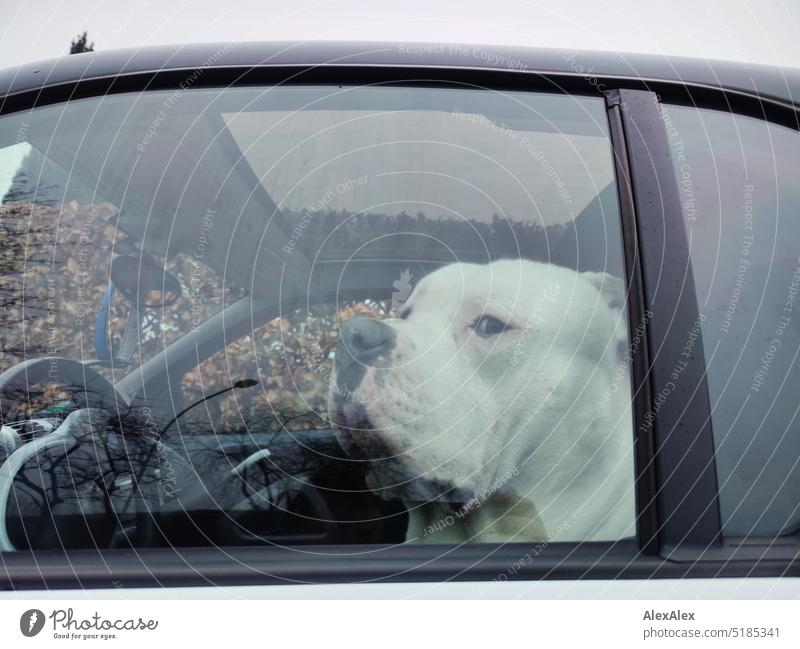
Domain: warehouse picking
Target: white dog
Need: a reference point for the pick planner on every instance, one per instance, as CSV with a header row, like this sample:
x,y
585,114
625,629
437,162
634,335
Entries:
x,y
497,406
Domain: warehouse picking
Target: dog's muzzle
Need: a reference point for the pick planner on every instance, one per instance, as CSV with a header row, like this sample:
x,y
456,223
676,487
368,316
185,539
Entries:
x,y
364,343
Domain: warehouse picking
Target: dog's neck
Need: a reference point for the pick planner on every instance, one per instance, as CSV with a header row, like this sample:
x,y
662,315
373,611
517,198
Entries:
x,y
560,491
581,478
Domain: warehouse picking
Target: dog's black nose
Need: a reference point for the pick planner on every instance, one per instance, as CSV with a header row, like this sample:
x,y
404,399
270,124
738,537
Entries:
x,y
363,341
366,339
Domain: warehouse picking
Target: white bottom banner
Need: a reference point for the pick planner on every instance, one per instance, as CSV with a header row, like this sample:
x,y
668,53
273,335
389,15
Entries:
x,y
399,623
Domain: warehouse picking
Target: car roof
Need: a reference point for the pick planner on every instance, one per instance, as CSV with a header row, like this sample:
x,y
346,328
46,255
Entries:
x,y
774,84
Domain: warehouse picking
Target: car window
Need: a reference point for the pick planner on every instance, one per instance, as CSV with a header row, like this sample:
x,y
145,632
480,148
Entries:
x,y
345,315
741,200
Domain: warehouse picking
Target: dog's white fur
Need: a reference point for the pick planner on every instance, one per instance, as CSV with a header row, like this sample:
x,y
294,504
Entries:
x,y
533,423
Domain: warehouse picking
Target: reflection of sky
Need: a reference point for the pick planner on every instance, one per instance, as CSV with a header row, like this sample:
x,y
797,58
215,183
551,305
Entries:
x,y
10,159
443,164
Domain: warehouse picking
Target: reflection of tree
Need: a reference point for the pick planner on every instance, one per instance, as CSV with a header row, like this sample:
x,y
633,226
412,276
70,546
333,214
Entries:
x,y
15,254
89,488
114,481
55,259
470,239
293,358
80,44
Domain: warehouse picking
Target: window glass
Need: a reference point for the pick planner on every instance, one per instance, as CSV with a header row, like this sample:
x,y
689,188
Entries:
x,y
741,201
308,315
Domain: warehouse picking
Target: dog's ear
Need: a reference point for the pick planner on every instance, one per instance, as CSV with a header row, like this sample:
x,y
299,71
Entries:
x,y
610,287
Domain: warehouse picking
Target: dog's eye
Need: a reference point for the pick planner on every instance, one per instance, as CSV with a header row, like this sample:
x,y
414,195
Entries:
x,y
488,326
405,313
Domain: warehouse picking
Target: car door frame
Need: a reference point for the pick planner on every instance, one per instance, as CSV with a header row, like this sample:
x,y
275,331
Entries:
x,y
678,531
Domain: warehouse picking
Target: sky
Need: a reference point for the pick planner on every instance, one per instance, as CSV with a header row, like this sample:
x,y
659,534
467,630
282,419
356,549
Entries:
x,y
763,31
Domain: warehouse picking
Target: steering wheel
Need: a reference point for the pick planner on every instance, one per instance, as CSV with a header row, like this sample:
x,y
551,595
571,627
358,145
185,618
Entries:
x,y
95,400
87,388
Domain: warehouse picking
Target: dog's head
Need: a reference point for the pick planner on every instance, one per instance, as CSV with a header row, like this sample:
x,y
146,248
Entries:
x,y
485,365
